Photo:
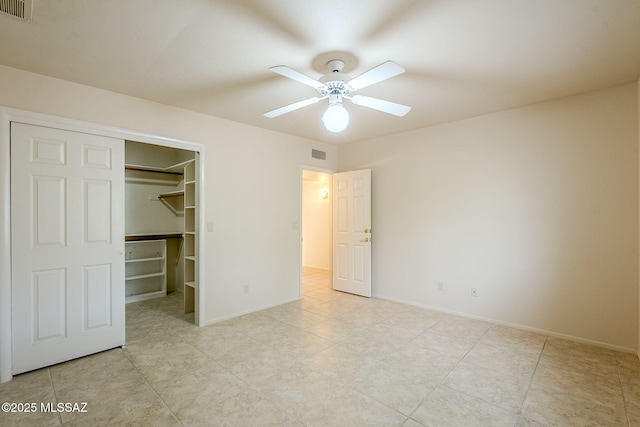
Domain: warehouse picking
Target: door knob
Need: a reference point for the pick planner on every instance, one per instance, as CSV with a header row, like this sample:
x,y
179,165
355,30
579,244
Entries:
x,y
367,230
365,240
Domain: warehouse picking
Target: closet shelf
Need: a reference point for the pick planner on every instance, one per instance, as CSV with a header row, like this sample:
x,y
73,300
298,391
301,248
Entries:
x,y
144,276
152,236
177,169
171,194
159,258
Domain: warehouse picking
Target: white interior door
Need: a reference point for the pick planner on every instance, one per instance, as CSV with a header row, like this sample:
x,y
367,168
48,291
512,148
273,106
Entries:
x,y
67,225
352,232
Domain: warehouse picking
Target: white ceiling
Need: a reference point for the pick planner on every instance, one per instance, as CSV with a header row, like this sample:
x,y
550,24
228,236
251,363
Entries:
x,y
463,57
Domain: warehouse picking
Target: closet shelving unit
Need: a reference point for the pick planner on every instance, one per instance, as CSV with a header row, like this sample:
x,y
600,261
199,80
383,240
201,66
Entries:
x,y
190,239
146,255
145,269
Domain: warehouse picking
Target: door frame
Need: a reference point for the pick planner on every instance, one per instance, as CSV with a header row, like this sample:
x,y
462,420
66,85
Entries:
x,y
8,115
300,228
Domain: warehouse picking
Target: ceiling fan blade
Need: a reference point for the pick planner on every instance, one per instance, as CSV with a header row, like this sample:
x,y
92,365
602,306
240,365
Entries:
x,y
381,105
291,107
377,74
283,70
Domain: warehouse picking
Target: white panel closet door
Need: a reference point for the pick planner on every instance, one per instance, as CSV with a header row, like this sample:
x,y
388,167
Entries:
x,y
67,239
352,232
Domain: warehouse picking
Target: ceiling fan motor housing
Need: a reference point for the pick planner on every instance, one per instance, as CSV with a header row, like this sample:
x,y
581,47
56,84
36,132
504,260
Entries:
x,y
334,83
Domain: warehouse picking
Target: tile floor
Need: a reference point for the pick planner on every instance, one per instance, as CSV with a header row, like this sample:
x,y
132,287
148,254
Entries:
x,y
333,359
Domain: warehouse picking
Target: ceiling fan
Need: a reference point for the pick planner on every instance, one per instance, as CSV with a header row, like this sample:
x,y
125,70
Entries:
x,y
337,86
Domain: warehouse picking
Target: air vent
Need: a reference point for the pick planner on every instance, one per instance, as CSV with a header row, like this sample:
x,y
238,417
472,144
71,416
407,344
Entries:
x,y
21,9
317,154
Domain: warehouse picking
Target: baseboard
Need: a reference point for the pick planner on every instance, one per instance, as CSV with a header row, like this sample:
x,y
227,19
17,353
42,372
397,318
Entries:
x,y
242,313
515,326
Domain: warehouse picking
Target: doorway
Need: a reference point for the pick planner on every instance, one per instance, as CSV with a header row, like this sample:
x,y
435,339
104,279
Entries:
x,y
316,212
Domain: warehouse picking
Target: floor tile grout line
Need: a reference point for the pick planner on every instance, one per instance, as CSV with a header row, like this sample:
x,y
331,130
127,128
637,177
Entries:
x,y
55,393
533,374
146,380
624,399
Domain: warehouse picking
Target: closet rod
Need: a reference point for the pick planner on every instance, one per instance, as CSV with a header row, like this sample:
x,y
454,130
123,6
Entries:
x,y
133,168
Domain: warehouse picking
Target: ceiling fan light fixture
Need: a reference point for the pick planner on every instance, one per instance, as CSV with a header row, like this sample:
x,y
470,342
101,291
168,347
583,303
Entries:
x,y
336,118
337,86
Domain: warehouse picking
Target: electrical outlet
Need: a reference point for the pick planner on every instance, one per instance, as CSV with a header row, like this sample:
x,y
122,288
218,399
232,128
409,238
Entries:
x,y
440,286
474,292
210,226
246,288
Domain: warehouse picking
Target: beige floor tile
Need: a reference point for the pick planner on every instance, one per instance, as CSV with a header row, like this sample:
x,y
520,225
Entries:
x,y
23,386
583,357
446,407
220,348
628,367
187,396
633,414
210,335
557,409
97,367
451,346
245,409
525,422
328,309
631,391
502,390
140,408
262,362
347,407
595,388
29,388
514,340
297,387
402,329
301,319
412,423
393,388
361,319
30,419
339,362
336,331
418,362
460,327
103,389
163,361
513,362
375,346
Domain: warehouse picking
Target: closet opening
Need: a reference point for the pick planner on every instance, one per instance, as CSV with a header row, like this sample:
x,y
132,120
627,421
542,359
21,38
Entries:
x,y
161,236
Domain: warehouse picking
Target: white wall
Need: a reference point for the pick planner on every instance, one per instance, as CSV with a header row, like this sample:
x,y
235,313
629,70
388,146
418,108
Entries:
x,y
316,220
144,211
536,207
252,184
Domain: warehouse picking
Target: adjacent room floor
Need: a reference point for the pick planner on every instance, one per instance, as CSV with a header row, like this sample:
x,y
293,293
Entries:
x,y
333,359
